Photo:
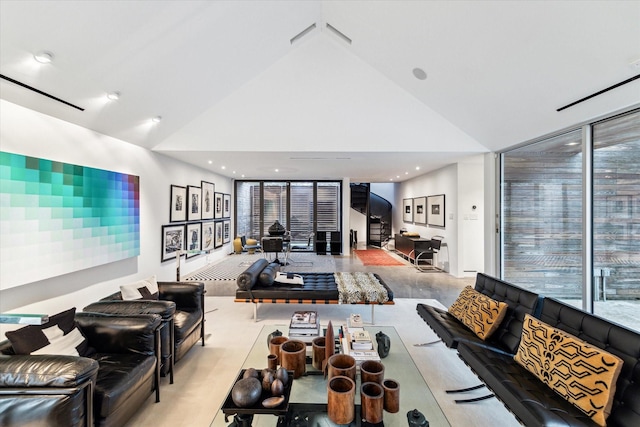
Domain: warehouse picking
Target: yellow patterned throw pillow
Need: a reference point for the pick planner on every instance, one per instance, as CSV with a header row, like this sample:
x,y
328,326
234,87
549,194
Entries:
x,y
583,374
478,312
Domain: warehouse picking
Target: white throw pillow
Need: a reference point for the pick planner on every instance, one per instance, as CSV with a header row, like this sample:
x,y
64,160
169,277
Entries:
x,y
143,289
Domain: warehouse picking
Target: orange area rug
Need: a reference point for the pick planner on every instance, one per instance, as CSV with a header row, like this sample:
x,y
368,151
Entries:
x,y
376,257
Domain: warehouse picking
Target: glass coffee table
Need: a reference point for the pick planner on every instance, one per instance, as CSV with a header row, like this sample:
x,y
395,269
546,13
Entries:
x,y
308,399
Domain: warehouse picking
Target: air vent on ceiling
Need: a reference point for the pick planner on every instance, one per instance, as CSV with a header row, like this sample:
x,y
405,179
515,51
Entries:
x,y
599,92
38,91
303,33
338,33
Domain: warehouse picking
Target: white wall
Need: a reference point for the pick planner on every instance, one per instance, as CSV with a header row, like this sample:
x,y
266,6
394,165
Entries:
x,y
30,133
470,220
463,186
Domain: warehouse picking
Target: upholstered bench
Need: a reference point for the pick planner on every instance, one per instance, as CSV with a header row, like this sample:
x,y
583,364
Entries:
x,y
257,285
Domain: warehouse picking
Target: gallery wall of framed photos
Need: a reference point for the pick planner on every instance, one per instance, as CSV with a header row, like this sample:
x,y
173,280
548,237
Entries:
x,y
425,210
199,221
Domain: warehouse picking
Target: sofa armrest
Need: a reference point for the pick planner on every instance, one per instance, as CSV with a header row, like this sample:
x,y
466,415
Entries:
x,y
188,296
26,371
112,333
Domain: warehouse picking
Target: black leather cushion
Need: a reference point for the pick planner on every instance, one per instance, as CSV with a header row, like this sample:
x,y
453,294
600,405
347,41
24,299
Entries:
x,y
249,278
119,377
268,275
526,397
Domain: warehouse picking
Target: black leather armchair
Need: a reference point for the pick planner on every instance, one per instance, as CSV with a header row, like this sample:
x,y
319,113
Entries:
x,y
188,320
105,390
165,309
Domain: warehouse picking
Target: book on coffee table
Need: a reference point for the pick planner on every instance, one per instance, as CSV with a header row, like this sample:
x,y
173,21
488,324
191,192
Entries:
x,y
304,319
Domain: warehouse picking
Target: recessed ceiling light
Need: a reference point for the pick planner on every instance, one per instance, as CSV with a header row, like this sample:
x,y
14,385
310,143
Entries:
x,y
156,119
210,162
406,173
277,170
420,74
224,167
43,57
397,176
417,168
113,96
242,175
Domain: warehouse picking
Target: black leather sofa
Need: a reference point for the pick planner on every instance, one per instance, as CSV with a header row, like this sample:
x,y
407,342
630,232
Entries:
x,y
507,337
528,398
105,390
256,285
532,402
188,319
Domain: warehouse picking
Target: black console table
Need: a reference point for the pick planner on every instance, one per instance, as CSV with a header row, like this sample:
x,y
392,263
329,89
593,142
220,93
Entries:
x,y
415,247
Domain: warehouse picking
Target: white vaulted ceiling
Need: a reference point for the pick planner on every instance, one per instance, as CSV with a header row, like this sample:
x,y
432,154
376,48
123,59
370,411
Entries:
x,y
232,89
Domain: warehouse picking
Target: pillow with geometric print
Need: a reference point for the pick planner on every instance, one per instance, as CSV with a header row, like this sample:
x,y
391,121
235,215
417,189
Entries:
x,y
58,336
478,312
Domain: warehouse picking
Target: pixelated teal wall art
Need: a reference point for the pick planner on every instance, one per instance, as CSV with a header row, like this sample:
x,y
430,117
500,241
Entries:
x,y
57,218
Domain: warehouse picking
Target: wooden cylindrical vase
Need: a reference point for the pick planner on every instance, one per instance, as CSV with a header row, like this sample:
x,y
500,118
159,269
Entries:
x,y
293,357
274,346
371,402
318,352
341,392
342,365
391,395
371,371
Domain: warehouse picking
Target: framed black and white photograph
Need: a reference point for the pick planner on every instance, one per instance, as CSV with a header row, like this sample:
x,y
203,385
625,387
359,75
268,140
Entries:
x,y
217,205
193,203
218,234
172,241
226,206
208,235
407,210
420,210
178,208
193,239
206,199
226,231
435,210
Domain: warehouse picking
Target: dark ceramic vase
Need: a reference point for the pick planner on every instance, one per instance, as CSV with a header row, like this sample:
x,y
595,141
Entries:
x,y
384,344
276,229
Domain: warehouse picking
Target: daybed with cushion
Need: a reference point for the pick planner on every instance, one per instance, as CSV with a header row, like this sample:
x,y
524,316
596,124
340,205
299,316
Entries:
x,y
262,282
188,319
106,385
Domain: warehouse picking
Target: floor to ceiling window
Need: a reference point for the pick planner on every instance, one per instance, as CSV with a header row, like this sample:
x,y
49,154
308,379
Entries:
x,y
302,207
616,212
542,216
542,203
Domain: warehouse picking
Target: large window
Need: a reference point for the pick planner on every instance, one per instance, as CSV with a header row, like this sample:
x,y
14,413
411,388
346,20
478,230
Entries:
x,y
542,216
302,207
616,213
545,241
